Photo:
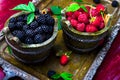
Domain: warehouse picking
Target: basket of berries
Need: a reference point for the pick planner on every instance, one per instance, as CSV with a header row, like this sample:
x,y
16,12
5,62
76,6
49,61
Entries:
x,y
31,33
85,26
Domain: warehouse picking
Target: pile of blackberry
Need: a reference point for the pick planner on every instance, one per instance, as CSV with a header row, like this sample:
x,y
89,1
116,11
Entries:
x,y
36,32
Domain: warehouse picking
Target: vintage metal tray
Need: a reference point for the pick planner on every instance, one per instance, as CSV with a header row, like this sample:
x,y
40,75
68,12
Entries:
x,y
82,66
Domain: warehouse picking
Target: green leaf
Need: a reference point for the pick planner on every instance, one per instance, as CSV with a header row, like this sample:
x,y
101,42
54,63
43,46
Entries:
x,y
30,18
56,9
9,49
23,7
78,0
66,76
59,17
55,76
31,7
73,7
84,8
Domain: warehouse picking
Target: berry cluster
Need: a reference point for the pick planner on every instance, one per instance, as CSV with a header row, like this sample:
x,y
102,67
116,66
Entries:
x,y
87,21
37,31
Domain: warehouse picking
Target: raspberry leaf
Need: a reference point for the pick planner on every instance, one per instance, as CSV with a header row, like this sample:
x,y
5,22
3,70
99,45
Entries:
x,y
78,0
84,8
73,7
31,7
66,76
23,7
55,76
56,9
9,49
30,18
59,17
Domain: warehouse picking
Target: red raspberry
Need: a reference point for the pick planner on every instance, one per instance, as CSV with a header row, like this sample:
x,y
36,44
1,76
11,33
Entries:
x,y
76,14
64,59
94,12
69,14
87,14
81,10
69,18
74,22
80,27
97,21
91,28
83,18
88,8
100,7
102,25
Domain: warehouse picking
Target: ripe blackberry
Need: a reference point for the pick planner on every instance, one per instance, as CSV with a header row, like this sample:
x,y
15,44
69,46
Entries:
x,y
25,18
19,25
115,3
25,27
39,30
29,33
45,28
20,18
48,36
19,34
50,21
11,26
47,15
50,29
96,1
28,40
41,19
33,25
12,20
39,38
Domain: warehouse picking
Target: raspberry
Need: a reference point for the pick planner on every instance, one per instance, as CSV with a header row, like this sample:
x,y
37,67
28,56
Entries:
x,y
83,18
45,28
12,20
50,21
80,27
94,12
28,40
87,14
69,18
39,38
33,25
69,14
76,14
96,1
41,19
102,25
39,30
97,21
81,10
74,22
100,7
91,28
88,8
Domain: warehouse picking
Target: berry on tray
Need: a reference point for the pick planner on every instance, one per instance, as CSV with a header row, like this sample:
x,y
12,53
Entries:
x,y
86,18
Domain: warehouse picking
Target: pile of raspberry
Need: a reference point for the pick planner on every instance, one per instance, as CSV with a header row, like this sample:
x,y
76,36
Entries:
x,y
87,21
38,31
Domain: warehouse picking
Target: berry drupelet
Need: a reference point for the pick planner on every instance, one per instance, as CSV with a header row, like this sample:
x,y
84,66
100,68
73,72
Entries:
x,y
41,19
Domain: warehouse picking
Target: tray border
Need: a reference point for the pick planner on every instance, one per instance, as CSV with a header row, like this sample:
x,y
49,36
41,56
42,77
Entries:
x,y
101,55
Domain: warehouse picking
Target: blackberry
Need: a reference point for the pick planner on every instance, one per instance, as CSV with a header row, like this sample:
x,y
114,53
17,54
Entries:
x,y
115,3
12,20
30,33
25,27
25,18
50,21
45,28
20,18
19,34
47,15
48,36
50,29
39,30
19,25
41,19
50,73
96,1
39,38
34,25
28,40
11,26
37,11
